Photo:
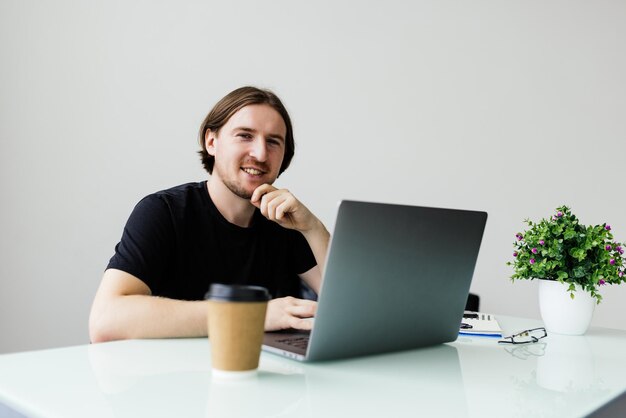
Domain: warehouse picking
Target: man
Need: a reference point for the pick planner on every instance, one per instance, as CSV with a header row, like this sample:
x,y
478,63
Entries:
x,y
234,228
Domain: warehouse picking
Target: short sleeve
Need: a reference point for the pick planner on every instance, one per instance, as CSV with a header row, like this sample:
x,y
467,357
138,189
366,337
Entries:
x,y
146,247
302,257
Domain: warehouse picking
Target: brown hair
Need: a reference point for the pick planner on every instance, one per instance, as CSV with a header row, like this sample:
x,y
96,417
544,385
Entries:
x,y
229,105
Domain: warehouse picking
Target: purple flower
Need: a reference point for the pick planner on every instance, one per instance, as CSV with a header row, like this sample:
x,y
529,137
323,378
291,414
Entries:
x,y
620,273
612,261
601,282
608,248
515,254
542,242
532,261
619,249
559,214
608,227
534,250
519,237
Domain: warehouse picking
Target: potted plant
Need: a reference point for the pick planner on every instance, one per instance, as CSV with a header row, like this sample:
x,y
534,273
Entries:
x,y
573,261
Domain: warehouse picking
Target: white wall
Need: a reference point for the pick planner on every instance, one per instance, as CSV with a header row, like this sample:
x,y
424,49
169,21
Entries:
x,y
513,107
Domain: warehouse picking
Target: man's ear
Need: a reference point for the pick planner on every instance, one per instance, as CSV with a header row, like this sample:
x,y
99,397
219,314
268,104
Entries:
x,y
209,142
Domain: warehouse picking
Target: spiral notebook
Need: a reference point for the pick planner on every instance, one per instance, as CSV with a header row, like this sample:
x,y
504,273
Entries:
x,y
480,324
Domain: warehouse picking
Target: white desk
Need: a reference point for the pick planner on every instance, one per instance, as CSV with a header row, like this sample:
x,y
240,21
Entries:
x,y
472,377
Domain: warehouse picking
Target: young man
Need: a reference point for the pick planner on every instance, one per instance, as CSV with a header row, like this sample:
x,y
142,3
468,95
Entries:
x,y
234,228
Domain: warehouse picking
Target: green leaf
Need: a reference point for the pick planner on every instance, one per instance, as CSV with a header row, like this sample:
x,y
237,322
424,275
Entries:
x,y
572,253
569,233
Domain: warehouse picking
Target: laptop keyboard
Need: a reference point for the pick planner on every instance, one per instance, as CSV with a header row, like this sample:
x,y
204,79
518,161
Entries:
x,y
298,341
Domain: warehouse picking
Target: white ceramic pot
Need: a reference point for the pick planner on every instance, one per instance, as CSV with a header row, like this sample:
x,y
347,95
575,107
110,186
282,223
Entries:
x,y
560,313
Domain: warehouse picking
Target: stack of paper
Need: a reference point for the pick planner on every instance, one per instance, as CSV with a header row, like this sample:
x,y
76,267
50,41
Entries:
x,y
480,324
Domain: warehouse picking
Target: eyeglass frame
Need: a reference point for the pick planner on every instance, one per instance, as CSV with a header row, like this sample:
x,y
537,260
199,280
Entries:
x,y
524,333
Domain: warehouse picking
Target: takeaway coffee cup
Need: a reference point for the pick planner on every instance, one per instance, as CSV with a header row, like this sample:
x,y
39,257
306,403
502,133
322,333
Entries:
x,y
236,327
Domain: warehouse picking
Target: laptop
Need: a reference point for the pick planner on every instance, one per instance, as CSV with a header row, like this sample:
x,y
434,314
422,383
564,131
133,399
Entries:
x,y
397,278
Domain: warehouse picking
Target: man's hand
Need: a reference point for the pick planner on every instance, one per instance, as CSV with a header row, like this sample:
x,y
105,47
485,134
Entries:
x,y
280,206
289,312
283,208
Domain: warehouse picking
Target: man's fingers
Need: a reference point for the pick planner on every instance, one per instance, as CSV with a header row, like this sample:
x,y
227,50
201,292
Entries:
x,y
298,323
302,311
291,301
261,191
278,206
275,204
269,203
290,312
284,207
265,200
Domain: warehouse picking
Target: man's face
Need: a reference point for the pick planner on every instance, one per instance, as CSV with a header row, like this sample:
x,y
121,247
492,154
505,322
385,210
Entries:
x,y
248,149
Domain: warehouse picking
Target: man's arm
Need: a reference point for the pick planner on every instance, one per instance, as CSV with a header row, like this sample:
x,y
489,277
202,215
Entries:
x,y
282,207
318,241
124,308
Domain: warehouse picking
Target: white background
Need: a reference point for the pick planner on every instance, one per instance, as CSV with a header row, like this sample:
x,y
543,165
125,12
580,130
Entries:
x,y
512,107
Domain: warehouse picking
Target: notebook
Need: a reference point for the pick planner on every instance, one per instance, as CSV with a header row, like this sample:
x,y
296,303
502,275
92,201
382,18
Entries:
x,y
480,324
397,277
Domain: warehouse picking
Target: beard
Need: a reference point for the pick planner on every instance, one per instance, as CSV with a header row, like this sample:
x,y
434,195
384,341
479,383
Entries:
x,y
237,189
234,185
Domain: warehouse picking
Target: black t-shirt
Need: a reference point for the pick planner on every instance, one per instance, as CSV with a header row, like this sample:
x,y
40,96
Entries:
x,y
178,243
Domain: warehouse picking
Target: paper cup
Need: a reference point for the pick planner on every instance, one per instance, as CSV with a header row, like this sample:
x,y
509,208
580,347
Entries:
x,y
236,327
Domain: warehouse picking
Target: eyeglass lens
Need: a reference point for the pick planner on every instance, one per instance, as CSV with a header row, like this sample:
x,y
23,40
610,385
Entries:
x,y
528,336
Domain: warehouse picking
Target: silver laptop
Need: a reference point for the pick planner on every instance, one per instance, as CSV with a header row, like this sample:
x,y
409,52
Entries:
x,y
397,277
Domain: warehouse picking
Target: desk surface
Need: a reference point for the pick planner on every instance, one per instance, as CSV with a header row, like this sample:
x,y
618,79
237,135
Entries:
x,y
472,377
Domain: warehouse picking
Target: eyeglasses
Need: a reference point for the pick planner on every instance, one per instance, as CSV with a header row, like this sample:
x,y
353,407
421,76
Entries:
x,y
525,337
